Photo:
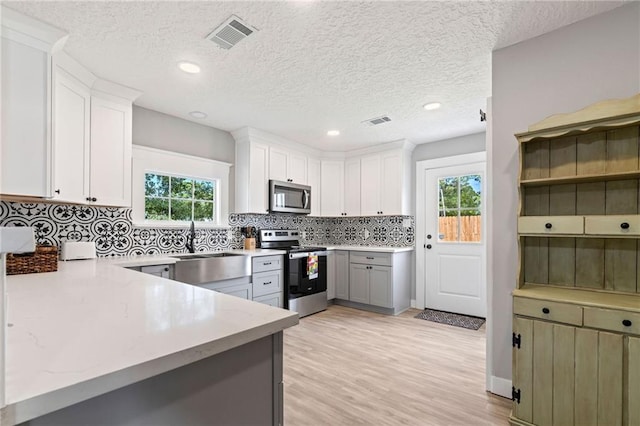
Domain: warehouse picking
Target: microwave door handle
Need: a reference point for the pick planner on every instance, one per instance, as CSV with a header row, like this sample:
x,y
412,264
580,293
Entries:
x,y
305,199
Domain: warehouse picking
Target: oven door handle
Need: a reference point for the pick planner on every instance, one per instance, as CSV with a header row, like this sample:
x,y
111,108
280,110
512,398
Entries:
x,y
307,254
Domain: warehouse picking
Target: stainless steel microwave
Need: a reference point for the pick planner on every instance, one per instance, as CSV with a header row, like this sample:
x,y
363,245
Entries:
x,y
289,197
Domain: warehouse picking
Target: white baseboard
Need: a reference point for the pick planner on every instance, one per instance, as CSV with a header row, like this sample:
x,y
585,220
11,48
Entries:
x,y
500,386
413,303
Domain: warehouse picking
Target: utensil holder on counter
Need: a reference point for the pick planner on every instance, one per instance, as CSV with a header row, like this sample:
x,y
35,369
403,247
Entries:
x,y
249,243
44,259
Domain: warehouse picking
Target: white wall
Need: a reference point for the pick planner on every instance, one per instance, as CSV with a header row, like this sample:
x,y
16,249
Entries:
x,y
562,71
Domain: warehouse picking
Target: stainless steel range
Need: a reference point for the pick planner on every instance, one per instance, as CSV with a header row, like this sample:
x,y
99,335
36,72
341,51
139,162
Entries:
x,y
305,283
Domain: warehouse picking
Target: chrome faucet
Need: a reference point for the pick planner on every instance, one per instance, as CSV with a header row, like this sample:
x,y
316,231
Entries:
x,y
191,239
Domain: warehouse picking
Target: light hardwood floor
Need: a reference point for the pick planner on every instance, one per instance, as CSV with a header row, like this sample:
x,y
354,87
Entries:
x,y
350,367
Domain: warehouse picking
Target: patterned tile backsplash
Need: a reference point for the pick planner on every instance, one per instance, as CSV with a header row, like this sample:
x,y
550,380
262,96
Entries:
x,y
115,235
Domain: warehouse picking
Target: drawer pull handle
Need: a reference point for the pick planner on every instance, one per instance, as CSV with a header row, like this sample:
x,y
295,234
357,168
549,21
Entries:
x,y
624,225
370,258
548,225
266,263
545,310
266,283
626,323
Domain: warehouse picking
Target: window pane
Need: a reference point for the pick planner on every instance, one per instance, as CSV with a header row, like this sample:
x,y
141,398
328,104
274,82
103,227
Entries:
x,y
470,225
156,208
181,188
448,228
156,185
203,211
470,191
203,190
181,209
448,193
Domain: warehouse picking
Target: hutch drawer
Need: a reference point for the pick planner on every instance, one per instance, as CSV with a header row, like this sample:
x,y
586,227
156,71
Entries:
x,y
552,311
613,320
551,225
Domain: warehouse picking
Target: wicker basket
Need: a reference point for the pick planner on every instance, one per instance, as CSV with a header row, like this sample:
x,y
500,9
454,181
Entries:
x,y
44,259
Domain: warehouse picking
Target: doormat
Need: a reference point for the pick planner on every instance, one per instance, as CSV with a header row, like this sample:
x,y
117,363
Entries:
x,y
465,321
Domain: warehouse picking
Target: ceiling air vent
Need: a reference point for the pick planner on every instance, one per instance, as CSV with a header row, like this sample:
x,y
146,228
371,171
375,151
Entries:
x,y
230,33
377,120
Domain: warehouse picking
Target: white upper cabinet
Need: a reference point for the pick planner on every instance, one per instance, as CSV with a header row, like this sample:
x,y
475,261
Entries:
x,y
352,187
27,46
110,165
332,188
385,182
252,174
287,166
370,185
91,137
71,138
313,180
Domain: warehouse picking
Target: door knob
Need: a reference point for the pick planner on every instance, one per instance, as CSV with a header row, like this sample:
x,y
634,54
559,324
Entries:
x,y
429,237
428,246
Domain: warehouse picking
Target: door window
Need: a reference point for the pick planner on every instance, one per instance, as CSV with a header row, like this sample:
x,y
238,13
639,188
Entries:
x,y
459,201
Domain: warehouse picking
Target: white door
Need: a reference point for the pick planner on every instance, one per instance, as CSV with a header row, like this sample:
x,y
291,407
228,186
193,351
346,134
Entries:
x,y
454,240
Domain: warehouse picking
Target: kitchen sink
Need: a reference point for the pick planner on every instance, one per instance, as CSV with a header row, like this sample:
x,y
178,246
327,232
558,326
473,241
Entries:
x,y
211,267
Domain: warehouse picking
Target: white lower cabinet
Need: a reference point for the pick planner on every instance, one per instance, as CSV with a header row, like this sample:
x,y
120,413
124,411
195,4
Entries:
x,y
371,285
268,280
163,271
243,291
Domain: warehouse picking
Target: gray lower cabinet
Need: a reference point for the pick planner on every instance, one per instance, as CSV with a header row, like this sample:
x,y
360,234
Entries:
x,y
376,281
268,280
341,272
163,271
239,287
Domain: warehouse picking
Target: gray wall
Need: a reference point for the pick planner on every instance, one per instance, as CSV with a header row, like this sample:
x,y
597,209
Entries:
x,y
562,71
162,131
439,149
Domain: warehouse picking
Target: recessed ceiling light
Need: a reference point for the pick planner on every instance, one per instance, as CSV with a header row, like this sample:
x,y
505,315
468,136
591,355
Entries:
x,y
198,114
189,67
333,133
432,105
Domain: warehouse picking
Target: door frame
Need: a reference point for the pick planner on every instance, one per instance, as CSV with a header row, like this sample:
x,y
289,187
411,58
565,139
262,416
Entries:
x,y
420,268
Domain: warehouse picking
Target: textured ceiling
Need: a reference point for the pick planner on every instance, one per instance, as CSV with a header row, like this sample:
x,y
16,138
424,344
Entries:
x,y
313,65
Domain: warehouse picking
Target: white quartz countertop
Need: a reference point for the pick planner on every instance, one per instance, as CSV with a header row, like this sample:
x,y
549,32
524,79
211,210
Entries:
x,y
169,258
94,326
380,249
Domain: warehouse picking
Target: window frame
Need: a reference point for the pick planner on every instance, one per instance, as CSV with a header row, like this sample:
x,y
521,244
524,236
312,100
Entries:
x,y
167,163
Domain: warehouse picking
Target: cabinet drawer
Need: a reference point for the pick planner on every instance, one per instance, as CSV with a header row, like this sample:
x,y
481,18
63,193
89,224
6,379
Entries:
x,y
370,258
267,263
612,225
270,299
267,282
552,311
608,319
551,224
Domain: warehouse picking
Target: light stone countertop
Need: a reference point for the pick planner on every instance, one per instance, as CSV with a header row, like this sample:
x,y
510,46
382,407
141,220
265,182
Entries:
x,y
379,249
169,258
95,326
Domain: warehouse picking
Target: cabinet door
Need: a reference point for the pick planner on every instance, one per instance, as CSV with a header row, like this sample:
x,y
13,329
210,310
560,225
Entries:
x,y
331,275
110,182
163,271
332,187
26,133
71,132
567,375
370,185
359,283
270,299
391,188
278,164
380,286
352,187
633,381
342,274
297,168
313,180
258,178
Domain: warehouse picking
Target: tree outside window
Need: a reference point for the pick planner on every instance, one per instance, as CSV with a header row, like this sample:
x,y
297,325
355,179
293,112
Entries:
x,y
179,198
